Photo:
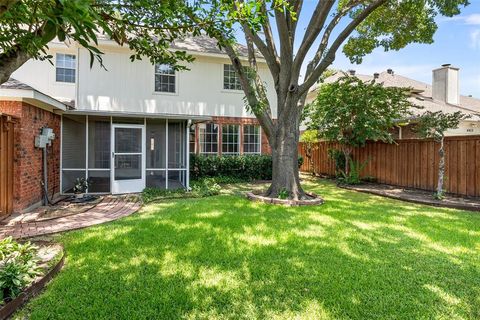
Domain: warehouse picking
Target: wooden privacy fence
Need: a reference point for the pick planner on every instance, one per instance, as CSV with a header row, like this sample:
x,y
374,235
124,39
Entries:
x,y
6,164
411,163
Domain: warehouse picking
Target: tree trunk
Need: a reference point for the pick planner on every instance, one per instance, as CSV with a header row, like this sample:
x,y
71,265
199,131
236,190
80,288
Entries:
x,y
285,173
11,61
441,170
346,153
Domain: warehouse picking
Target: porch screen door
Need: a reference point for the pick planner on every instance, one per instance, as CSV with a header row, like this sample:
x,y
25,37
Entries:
x,y
128,158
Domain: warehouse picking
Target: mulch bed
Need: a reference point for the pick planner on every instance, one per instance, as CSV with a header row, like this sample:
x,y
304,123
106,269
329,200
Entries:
x,y
416,196
37,286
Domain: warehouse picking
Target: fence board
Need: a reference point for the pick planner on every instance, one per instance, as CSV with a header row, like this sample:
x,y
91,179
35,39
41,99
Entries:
x,y
411,163
6,164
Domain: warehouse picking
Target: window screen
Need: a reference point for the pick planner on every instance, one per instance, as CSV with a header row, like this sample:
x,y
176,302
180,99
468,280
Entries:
x,y
176,144
73,142
99,143
156,144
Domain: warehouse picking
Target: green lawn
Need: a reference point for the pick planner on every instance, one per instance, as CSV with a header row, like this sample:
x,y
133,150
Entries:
x,y
355,257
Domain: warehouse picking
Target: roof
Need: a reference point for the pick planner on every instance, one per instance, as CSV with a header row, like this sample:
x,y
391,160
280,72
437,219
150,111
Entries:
x,y
17,90
15,84
205,44
421,95
200,43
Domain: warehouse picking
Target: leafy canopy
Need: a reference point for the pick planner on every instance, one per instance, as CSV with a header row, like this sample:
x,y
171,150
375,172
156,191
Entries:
x,y
148,27
434,124
352,111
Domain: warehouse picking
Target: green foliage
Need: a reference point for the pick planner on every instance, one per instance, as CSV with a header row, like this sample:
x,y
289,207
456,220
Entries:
x,y
353,175
434,124
244,168
147,27
283,194
18,267
81,185
396,24
300,161
310,137
206,187
352,111
338,158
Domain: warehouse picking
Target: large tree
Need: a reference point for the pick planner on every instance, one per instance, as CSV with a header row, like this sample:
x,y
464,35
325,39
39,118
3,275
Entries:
x,y
147,26
359,25
351,112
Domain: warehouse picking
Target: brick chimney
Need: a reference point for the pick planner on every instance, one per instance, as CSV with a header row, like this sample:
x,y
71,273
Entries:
x,y
446,84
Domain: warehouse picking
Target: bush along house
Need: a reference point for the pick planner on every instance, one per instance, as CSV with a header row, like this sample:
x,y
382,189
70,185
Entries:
x,y
127,126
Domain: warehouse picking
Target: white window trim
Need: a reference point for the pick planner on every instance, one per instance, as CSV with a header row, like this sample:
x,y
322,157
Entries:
x,y
162,93
259,139
237,91
76,69
238,141
218,142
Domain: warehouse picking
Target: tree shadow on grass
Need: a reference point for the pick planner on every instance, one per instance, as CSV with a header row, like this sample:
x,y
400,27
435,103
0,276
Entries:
x,y
357,256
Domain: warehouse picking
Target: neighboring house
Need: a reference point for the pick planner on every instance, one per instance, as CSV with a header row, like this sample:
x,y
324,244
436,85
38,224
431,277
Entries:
x,y
442,95
129,125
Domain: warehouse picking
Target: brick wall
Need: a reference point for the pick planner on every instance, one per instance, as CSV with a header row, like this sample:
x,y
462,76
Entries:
x,y
265,147
28,165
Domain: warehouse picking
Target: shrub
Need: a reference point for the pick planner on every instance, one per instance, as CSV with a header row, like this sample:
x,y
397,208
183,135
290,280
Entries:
x,y
353,176
206,187
18,267
232,168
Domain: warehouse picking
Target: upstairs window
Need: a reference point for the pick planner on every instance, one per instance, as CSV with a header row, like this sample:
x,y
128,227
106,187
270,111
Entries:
x,y
208,138
164,78
65,67
230,139
231,81
251,139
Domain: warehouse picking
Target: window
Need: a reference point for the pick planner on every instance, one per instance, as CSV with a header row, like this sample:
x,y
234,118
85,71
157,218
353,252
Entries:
x,y
230,78
65,68
164,78
208,136
251,139
230,139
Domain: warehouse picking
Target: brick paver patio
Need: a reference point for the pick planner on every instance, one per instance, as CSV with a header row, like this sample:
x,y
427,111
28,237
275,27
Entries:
x,y
109,209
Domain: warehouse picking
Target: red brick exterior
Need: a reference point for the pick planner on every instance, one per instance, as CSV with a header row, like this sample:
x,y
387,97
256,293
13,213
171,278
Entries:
x,y
265,147
28,161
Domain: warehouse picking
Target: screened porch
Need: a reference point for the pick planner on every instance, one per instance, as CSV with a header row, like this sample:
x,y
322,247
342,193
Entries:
x,y
123,154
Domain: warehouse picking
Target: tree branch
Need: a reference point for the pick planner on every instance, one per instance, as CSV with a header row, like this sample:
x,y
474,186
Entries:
x,y
263,115
314,27
317,70
5,5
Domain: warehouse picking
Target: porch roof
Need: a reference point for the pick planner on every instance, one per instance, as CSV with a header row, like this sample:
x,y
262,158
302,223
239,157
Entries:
x,y
14,90
139,115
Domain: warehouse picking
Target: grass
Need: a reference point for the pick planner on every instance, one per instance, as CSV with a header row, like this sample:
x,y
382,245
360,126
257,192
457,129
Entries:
x,y
357,256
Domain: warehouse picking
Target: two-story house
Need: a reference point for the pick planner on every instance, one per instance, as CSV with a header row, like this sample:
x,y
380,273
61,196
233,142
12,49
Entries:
x,y
129,125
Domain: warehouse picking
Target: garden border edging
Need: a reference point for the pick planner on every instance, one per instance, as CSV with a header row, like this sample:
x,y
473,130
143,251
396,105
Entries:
x,y
317,200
